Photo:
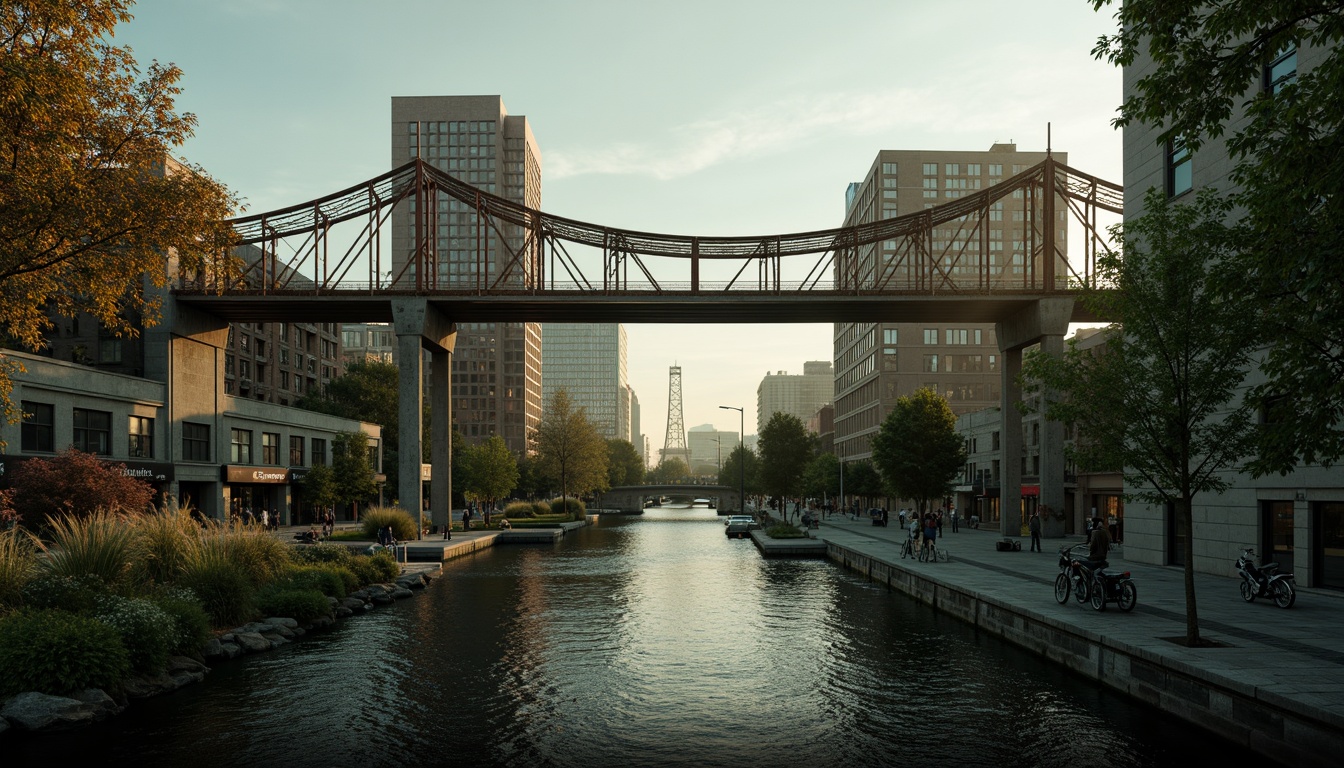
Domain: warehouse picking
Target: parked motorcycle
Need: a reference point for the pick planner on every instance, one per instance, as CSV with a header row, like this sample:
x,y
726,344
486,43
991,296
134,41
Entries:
x,y
1265,581
1098,586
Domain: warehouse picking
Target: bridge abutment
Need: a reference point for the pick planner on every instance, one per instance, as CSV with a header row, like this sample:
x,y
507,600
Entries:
x,y
420,326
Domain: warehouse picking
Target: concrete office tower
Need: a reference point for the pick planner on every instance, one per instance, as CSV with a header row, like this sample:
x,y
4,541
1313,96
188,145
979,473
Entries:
x,y
636,436
875,363
588,361
368,343
496,366
709,448
795,395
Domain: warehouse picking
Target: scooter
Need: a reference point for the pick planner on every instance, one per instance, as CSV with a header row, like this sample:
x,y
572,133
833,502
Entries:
x,y
1265,581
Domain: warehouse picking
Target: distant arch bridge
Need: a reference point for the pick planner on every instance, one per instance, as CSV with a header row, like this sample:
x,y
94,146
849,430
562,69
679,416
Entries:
x,y
631,498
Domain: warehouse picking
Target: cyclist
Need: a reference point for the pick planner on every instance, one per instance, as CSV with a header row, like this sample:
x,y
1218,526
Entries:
x,y
930,533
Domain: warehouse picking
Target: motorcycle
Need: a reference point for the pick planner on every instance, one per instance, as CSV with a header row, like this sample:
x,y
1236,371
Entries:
x,y
1098,586
1265,581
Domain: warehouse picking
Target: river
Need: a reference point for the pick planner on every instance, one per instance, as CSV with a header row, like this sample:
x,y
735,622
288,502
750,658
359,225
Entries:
x,y
643,641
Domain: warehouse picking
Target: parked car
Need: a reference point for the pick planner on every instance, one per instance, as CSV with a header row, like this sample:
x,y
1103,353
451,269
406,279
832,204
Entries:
x,y
730,519
740,529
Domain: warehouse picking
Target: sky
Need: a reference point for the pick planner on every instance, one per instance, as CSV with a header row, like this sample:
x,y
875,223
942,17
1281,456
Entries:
x,y
725,117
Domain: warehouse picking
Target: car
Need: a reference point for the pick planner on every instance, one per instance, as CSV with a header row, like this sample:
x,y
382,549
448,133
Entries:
x,y
744,518
740,529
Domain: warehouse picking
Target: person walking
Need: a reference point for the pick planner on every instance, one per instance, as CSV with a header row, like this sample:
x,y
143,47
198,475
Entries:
x,y
1035,526
930,531
955,517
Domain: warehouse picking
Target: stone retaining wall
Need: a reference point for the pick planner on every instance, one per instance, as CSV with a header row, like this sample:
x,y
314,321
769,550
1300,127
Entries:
x,y
1261,721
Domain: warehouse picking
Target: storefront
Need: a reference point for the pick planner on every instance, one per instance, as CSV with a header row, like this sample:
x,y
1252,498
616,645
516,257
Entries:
x,y
249,490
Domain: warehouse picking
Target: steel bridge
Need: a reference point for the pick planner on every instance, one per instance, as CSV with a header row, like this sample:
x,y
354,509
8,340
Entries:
x,y
528,265
385,250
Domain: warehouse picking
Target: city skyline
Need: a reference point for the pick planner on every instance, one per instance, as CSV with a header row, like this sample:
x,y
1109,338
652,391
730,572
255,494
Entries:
x,y
757,133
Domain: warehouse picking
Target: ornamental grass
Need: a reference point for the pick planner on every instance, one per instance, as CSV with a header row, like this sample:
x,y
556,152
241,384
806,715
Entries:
x,y
18,562
100,544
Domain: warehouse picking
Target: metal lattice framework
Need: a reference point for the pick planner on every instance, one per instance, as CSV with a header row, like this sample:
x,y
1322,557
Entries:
x,y
675,435
946,249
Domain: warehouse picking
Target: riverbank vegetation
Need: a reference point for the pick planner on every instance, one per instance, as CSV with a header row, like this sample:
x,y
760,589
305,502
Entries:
x,y
95,598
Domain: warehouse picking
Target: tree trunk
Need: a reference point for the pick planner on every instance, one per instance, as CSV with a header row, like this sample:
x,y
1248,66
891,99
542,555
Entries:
x,y
1183,508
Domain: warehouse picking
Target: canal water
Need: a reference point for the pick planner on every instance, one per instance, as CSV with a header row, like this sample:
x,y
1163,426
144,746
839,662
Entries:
x,y
644,641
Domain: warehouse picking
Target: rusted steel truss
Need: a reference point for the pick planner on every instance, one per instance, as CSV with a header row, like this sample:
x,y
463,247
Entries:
x,y
515,249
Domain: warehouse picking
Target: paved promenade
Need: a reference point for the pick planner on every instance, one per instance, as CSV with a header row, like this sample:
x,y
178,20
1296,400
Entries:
x,y
1287,661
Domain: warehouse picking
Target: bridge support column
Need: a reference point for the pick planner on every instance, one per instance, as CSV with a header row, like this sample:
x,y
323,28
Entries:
x,y
1045,322
420,326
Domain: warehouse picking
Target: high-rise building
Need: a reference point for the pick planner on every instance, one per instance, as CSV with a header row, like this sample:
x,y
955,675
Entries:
x,y
368,342
709,448
795,395
496,366
636,436
587,360
876,363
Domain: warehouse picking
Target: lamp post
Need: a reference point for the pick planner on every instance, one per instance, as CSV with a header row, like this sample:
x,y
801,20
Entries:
x,y
741,455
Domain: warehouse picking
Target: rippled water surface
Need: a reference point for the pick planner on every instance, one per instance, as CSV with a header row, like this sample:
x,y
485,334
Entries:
x,y
647,642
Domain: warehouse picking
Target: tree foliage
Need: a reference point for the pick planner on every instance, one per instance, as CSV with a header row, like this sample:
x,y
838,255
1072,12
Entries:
x,y
786,449
353,467
1287,147
863,479
319,486
1161,398
670,470
624,464
822,477
490,471
569,450
734,472
91,204
77,483
917,449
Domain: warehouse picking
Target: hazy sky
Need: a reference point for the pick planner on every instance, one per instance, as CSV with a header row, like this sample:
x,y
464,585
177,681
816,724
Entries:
x,y
711,118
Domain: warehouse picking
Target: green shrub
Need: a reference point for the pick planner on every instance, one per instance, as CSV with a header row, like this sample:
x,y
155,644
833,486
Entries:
x,y
329,579
148,633
572,509
385,566
191,624
17,564
162,541
76,594
223,589
292,602
520,509
322,553
784,531
58,652
403,525
364,569
262,556
540,508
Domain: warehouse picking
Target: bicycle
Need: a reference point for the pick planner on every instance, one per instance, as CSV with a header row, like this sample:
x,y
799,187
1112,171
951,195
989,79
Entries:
x,y
933,554
908,548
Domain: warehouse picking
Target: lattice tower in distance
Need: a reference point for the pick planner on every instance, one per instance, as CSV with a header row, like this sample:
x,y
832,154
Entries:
x,y
674,443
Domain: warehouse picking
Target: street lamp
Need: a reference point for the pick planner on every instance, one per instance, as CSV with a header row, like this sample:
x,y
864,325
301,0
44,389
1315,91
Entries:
x,y
741,455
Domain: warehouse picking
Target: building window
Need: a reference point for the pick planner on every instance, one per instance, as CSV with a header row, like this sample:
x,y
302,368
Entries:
x,y
109,350
930,335
195,441
240,448
270,448
889,336
1180,174
319,451
1281,71
93,431
930,363
141,433
930,169
39,427
295,451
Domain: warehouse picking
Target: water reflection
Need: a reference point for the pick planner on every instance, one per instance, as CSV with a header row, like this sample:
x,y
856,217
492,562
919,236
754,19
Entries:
x,y
653,641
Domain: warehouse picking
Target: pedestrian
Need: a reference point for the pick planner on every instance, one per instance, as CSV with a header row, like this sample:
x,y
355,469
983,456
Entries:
x,y
265,519
955,515
448,524
940,521
930,531
466,518
1035,526
901,516
884,517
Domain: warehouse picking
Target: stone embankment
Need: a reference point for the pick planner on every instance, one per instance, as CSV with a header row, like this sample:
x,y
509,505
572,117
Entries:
x,y
34,711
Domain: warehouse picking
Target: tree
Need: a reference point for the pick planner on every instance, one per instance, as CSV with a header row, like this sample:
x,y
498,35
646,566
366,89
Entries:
x,y
90,202
319,486
786,449
569,449
862,479
733,465
624,464
490,471
1287,149
75,482
368,391
670,470
353,469
822,477
1160,397
917,449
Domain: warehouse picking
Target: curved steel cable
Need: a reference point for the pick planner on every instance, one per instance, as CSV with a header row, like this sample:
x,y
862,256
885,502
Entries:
x,y
393,186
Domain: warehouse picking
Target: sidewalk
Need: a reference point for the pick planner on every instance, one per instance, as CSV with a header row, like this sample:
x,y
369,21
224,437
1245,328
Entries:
x,y
1281,670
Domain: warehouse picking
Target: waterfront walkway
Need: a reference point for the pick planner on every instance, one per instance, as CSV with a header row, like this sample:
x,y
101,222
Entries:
x,y
1282,667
